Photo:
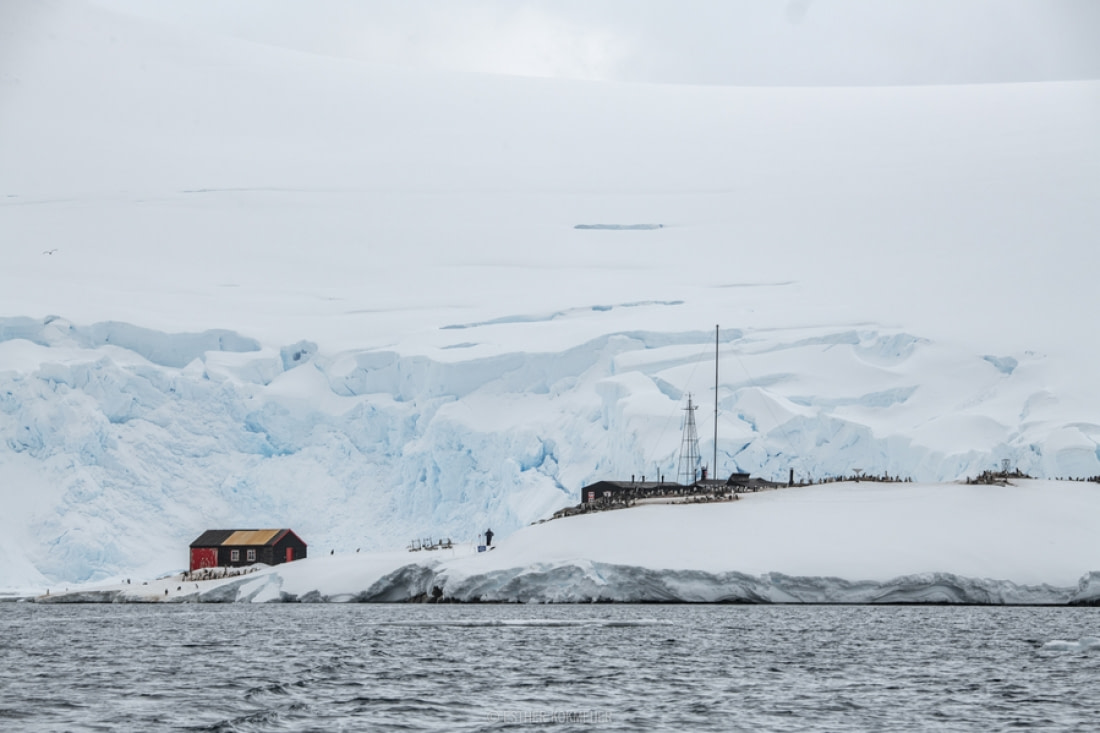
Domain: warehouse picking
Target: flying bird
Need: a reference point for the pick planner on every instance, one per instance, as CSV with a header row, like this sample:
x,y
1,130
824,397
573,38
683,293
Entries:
x,y
49,251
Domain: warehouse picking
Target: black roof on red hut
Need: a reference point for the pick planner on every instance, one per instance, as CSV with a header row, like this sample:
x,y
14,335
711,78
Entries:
x,y
242,537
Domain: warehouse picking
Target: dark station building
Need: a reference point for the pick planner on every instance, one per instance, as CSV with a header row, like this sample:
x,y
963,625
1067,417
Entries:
x,y
736,483
615,489
221,548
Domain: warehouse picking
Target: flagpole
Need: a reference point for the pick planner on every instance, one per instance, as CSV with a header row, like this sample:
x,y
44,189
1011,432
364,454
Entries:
x,y
714,468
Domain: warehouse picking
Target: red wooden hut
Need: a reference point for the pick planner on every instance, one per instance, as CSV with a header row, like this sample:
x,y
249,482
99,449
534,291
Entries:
x,y
219,548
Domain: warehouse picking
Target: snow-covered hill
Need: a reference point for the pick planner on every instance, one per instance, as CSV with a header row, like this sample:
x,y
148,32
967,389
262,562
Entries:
x,y
1028,542
245,285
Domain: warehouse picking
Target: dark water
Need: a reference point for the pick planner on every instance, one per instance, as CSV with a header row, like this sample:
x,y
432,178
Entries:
x,y
410,667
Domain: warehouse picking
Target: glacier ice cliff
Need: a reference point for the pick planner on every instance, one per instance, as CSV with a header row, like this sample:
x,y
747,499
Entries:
x,y
118,444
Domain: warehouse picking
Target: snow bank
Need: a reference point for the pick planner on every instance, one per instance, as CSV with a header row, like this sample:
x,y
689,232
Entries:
x,y
838,543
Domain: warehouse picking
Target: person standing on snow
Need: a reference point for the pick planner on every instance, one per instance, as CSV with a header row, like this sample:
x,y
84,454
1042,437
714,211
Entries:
x,y
488,537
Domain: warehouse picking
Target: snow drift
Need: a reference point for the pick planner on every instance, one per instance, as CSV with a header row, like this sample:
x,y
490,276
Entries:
x,y
1030,543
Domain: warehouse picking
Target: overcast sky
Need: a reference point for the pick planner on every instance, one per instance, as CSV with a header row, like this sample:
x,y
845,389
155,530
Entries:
x,y
687,41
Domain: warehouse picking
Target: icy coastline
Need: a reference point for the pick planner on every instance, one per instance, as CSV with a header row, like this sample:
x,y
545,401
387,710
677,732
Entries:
x,y
1019,544
584,582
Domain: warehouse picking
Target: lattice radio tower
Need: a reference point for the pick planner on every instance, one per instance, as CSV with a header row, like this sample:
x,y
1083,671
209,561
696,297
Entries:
x,y
687,470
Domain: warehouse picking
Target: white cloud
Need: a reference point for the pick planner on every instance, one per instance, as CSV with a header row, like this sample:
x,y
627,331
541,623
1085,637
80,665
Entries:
x,y
734,42
502,39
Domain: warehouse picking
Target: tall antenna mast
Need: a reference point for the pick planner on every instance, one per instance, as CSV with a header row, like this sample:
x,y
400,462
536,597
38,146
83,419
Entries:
x,y
714,466
689,448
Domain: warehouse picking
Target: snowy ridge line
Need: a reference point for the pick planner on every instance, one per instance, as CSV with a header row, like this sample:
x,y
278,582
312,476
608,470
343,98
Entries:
x,y
164,349
589,582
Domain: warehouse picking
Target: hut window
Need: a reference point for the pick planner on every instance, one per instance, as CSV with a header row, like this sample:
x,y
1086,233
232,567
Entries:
x,y
234,556
252,556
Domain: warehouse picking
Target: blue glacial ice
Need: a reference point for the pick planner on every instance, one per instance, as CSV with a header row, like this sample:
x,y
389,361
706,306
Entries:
x,y
138,440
